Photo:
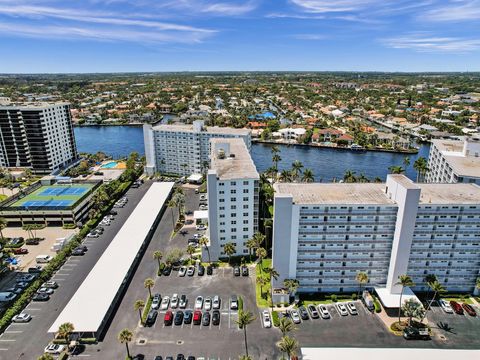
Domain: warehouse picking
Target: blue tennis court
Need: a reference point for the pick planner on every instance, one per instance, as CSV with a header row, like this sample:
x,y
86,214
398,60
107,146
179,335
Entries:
x,y
52,203
55,191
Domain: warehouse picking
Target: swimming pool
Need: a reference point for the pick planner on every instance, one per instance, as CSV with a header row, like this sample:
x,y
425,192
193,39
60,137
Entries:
x,y
109,165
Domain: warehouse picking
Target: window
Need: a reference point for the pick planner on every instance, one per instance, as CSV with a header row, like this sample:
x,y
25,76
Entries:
x,y
233,199
233,230
233,191
245,183
233,207
245,206
233,222
245,221
245,214
233,215
245,199
245,191
221,200
245,229
233,183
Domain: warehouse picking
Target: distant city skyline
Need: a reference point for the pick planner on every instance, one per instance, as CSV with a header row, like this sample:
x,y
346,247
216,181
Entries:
x,y
53,36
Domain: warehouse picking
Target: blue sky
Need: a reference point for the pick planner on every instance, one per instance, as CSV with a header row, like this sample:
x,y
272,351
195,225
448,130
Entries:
x,y
216,35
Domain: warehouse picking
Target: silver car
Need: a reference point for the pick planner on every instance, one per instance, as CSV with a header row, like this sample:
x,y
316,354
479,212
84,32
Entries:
x,y
295,316
156,301
22,318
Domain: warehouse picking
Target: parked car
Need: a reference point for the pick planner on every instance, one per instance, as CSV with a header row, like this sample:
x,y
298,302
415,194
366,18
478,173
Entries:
x,y
50,284
187,316
182,271
201,270
267,322
151,317
445,306
32,242
22,318
44,290
112,212
303,313
412,333
191,270
469,309
20,251
352,309
295,316
207,304
168,319
78,252
203,207
35,269
201,227
324,313
40,297
156,300
244,270
236,271
197,317
178,319
456,307
165,303
313,311
233,302
216,317
209,270
26,278
206,318
342,309
174,301
203,197
166,271
216,302
54,348
182,304
93,234
198,303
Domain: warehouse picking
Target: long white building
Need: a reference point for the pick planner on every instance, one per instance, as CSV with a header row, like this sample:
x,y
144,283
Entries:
x,y
38,136
324,234
232,185
454,161
184,149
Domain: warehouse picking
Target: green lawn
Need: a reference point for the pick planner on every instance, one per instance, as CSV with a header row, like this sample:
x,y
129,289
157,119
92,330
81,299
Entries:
x,y
262,301
458,299
3,197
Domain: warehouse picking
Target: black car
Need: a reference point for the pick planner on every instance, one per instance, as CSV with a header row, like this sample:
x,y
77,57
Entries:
x,y
151,317
82,247
244,270
236,271
158,357
216,317
209,270
187,317
303,313
112,212
78,252
166,271
169,358
99,229
32,242
178,319
35,269
41,297
206,318
191,358
201,270
412,333
180,357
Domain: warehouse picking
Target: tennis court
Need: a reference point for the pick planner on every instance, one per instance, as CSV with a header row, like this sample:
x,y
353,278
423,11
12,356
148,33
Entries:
x,y
67,190
53,203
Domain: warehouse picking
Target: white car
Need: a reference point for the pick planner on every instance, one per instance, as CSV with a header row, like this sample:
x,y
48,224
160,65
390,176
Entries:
x,y
165,303
352,309
342,309
50,284
198,303
203,197
191,270
54,348
445,306
267,322
295,316
208,304
174,301
182,304
323,312
201,227
157,299
197,236
203,207
22,318
45,290
216,302
92,235
182,271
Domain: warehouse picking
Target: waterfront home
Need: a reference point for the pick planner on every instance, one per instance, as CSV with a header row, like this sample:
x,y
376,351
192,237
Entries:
x,y
292,134
326,135
391,140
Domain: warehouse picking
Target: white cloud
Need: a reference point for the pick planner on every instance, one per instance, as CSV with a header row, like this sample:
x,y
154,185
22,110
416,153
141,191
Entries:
x,y
328,6
459,10
430,43
309,37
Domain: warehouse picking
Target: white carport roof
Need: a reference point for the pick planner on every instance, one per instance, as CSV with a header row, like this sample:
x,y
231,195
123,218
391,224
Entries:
x,y
200,214
89,305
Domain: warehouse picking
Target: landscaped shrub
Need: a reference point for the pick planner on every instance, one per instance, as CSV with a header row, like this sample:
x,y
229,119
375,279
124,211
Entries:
x,y
376,304
146,309
69,226
275,318
333,298
354,296
63,356
240,303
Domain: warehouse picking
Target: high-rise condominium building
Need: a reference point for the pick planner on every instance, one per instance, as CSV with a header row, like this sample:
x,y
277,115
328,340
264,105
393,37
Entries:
x,y
37,136
454,161
232,185
324,234
184,149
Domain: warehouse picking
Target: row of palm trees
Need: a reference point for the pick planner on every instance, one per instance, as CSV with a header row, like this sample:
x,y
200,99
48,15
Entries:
x,y
288,175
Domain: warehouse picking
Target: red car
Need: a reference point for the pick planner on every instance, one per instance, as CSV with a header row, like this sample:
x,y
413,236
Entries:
x,y
168,318
197,317
470,310
456,307
20,251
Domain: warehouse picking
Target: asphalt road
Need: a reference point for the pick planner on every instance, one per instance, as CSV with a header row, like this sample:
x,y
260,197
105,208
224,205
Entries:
x,y
26,341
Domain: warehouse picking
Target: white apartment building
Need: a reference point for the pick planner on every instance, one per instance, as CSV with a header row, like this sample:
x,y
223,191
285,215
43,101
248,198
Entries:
x,y
324,234
454,161
184,149
232,185
38,136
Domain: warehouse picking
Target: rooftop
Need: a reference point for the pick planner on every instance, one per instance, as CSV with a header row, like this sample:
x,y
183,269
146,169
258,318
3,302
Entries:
x,y
334,193
462,165
236,162
207,129
31,105
449,193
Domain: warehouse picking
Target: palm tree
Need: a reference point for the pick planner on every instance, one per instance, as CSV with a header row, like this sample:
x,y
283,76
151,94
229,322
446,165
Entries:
x,y
125,336
245,318
273,275
191,251
204,242
291,285
245,357
286,325
179,199
138,306
437,288
259,238
46,357
276,159
288,345
349,176
421,167
308,176
3,225
296,169
362,178
64,330
261,281
406,162
157,255
362,278
285,176
229,250
261,254
395,169
251,245
149,283
428,279
171,204
403,280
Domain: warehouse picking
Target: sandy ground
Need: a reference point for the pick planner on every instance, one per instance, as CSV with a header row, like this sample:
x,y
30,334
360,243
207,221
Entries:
x,y
8,192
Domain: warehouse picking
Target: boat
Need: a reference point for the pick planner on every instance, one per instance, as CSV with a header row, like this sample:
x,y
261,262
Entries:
x,y
356,147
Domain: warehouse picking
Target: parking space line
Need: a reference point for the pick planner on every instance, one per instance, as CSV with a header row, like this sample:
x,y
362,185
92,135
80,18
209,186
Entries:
x,y
3,349
8,340
13,332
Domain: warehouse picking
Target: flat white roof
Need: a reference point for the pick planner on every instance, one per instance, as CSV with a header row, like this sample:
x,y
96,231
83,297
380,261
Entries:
x,y
195,177
390,300
200,214
89,305
388,353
